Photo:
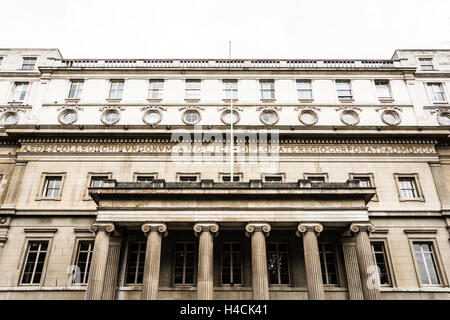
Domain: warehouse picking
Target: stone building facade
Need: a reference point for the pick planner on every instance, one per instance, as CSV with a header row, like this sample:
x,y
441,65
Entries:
x,y
115,177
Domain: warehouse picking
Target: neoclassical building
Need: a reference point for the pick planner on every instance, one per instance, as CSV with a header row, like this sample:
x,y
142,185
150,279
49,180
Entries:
x,y
116,179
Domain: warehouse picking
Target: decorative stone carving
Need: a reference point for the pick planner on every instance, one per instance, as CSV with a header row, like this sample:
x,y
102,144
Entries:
x,y
154,227
206,227
314,227
257,227
364,226
108,227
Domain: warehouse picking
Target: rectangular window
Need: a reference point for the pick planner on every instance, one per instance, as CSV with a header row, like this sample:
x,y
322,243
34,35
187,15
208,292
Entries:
x,y
135,262
379,253
383,89
316,178
76,88
192,89
426,261
364,182
28,63
184,263
20,91
230,89
231,263
83,261
426,64
304,90
34,262
328,263
228,178
98,181
156,89
344,90
188,178
145,178
277,263
52,187
116,89
273,178
267,89
436,92
408,188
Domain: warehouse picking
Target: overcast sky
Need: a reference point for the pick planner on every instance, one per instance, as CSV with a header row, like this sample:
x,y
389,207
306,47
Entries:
x,y
202,28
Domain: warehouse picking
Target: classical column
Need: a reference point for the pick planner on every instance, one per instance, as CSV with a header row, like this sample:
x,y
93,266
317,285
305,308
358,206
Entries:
x,y
112,269
351,269
366,260
14,184
205,259
310,232
258,233
150,283
99,260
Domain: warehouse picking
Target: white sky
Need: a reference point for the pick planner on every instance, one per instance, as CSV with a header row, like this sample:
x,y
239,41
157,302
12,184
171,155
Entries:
x,y
202,28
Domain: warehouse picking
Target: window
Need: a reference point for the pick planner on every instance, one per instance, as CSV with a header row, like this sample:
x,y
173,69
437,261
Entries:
x,y
408,188
83,261
116,89
145,178
379,253
28,63
436,92
304,90
426,261
76,87
231,263
366,180
52,187
277,263
184,263
273,178
426,64
188,178
156,89
98,181
228,178
328,263
191,117
34,262
192,89
135,262
344,90
316,178
20,91
230,89
267,89
383,89
269,117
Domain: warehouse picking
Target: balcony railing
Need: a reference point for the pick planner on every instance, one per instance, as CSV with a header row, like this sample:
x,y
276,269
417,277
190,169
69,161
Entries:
x,y
225,63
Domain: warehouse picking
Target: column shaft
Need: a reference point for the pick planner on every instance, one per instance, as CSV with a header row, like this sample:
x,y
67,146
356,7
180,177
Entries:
x,y
352,270
150,282
259,266
366,264
112,269
312,265
205,266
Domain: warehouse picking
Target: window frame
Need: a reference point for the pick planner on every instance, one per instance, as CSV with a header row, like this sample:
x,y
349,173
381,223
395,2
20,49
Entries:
x,y
310,90
335,256
371,178
179,175
350,88
390,98
419,62
227,174
194,280
415,177
288,258
43,184
142,242
159,90
198,90
13,91
430,237
28,64
232,272
75,258
442,87
388,259
90,175
71,81
261,95
282,175
136,175
308,176
225,91
118,89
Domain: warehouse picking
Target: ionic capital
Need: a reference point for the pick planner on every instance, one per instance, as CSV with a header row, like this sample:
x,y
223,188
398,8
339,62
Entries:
x,y
257,227
206,227
154,227
102,226
362,227
315,227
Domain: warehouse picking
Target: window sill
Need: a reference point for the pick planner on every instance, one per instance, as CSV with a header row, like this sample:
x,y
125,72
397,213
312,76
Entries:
x,y
15,102
385,100
72,100
113,100
268,100
192,99
440,102
229,100
154,99
306,100
48,198
346,100
412,200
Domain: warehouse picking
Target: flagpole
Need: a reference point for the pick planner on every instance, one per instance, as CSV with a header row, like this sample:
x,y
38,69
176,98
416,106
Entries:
x,y
231,127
